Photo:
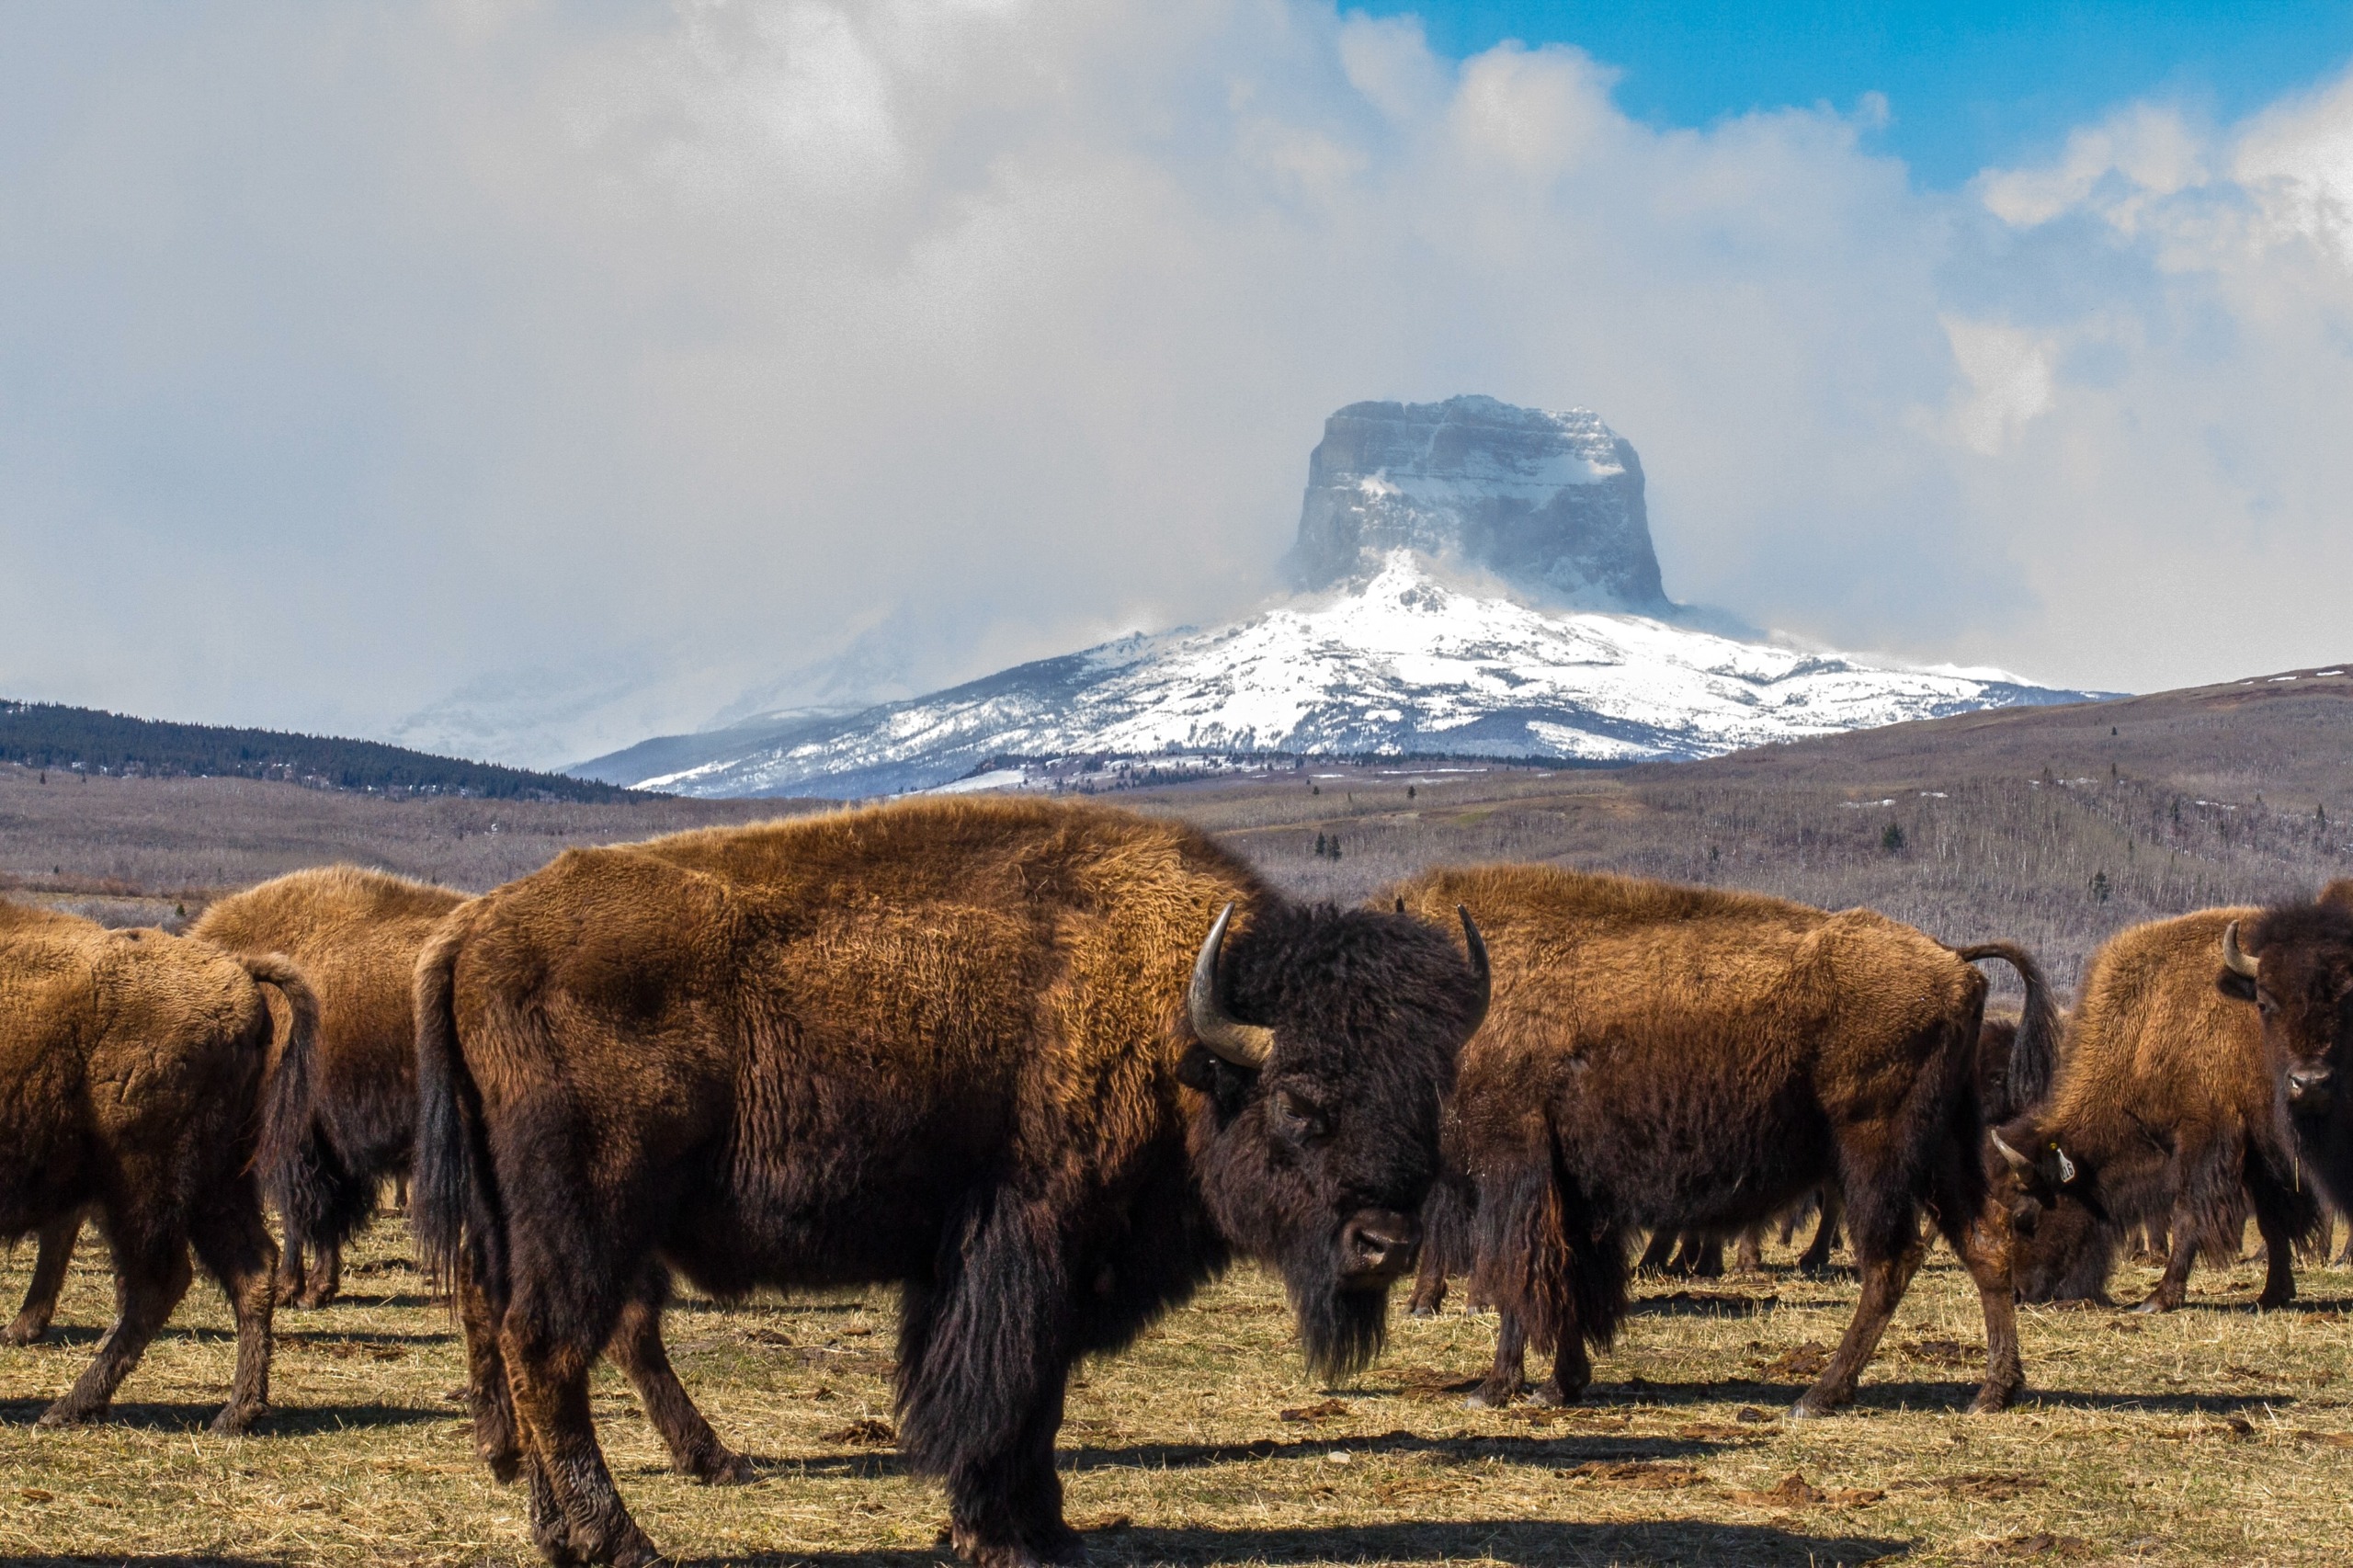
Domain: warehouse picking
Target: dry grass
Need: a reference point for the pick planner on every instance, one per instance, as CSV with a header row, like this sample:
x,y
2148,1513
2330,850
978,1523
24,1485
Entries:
x,y
2213,1435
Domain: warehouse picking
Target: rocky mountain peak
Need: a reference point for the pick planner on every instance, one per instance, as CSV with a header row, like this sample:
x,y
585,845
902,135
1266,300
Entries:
x,y
1550,503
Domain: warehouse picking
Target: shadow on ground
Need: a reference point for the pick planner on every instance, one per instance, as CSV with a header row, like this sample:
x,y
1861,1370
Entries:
x,y
1679,1543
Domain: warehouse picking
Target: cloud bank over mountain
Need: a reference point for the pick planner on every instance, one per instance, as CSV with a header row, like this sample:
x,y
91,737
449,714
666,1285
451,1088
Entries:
x,y
634,357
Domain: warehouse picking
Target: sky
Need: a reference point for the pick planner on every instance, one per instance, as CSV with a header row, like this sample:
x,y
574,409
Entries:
x,y
527,379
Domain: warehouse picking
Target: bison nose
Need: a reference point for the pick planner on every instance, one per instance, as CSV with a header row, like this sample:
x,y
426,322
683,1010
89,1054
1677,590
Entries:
x,y
2309,1083
1378,1245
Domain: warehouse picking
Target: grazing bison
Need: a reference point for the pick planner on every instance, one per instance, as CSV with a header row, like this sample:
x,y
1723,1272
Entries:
x,y
1007,1053
356,934
2166,1114
2295,963
132,1063
1671,1056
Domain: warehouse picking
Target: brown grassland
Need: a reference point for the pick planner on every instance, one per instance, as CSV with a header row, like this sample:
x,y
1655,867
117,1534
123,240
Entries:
x,y
2214,1435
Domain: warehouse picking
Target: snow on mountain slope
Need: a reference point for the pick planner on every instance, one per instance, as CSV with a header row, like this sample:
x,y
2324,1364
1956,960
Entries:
x,y
1481,583
1410,662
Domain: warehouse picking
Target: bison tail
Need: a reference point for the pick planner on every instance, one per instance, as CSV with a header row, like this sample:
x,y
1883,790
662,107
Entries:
x,y
453,1211
2034,1058
285,1102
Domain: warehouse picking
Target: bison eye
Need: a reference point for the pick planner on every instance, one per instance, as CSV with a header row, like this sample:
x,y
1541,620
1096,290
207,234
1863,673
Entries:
x,y
1297,1118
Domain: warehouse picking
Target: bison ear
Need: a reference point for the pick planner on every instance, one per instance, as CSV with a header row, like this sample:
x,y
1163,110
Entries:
x,y
1202,1069
2338,895
2235,985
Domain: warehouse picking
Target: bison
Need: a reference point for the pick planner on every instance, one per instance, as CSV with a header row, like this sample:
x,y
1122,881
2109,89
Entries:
x,y
1009,1054
2166,1114
131,1065
356,934
2295,963
1671,1056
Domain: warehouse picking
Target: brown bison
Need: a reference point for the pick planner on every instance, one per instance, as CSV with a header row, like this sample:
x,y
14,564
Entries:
x,y
1007,1053
1671,1056
131,1064
356,934
2166,1114
2295,963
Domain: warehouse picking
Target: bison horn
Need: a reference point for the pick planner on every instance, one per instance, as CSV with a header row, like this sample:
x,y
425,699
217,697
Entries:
x,y
1479,970
2234,958
2018,1162
1244,1045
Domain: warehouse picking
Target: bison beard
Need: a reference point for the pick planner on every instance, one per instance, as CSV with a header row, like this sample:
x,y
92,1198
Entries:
x,y
940,1044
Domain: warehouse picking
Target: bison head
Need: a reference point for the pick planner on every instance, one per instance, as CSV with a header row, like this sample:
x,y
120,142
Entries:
x,y
1327,1042
2296,965
2036,1179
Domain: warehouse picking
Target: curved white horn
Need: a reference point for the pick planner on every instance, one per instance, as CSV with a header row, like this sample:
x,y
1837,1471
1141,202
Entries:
x,y
1480,970
2018,1162
1244,1045
2234,958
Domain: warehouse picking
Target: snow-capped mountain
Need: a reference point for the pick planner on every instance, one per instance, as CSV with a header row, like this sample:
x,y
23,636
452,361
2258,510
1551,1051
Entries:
x,y
1486,586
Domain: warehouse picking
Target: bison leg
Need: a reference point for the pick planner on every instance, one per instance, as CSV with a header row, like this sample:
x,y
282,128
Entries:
x,y
235,1248
149,1281
324,1281
1429,1286
1507,1379
491,1404
1750,1257
576,1512
1815,1261
50,1263
1886,1275
1656,1256
1982,1243
983,1355
2173,1286
2275,1219
636,1349
289,1270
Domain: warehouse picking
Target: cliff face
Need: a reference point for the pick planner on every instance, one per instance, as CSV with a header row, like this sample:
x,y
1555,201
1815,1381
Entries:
x,y
1551,503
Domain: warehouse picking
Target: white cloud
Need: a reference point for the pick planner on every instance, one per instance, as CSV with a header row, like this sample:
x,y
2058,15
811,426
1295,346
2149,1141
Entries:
x,y
357,354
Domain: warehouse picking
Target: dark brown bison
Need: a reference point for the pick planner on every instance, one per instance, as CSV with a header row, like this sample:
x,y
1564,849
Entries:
x,y
2295,963
131,1064
356,934
2006,1082
2166,1114
1672,1056
1007,1053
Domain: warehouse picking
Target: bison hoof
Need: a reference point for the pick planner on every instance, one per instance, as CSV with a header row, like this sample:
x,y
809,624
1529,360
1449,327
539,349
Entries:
x,y
61,1414
1552,1397
236,1420
2155,1304
21,1333
723,1468
1813,1407
2272,1300
1421,1310
1488,1396
1065,1547
1991,1400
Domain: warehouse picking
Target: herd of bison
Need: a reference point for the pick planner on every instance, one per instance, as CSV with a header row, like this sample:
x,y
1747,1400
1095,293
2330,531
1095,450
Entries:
x,y
1049,1067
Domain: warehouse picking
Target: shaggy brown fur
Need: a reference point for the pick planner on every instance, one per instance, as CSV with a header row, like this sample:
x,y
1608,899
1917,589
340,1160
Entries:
x,y
2303,992
1670,1056
130,1064
356,933
943,1043
2167,1112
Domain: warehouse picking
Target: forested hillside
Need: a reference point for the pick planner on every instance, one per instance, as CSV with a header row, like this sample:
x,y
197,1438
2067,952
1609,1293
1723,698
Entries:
x,y
52,736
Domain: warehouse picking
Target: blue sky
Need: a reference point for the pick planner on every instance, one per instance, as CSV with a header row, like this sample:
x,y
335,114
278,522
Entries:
x,y
1968,86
